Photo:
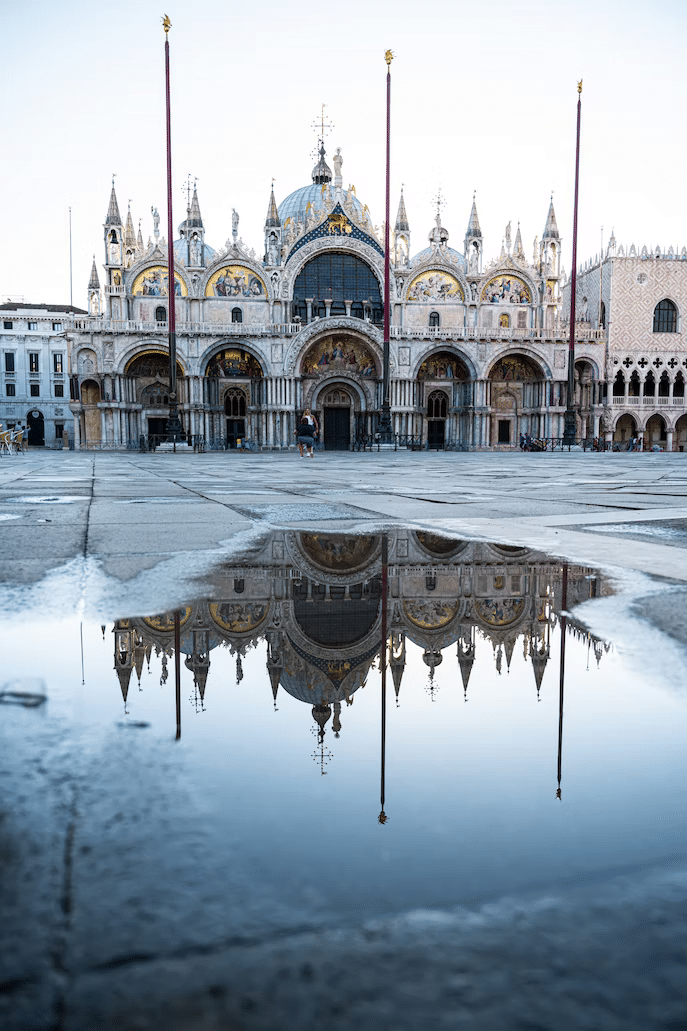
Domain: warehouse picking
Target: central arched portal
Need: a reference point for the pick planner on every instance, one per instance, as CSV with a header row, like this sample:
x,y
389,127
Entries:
x,y
337,407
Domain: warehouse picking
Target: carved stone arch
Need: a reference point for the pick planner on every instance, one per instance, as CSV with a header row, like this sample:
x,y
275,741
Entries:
x,y
87,362
525,351
150,262
443,268
621,415
364,332
316,392
356,248
592,362
152,347
445,346
236,343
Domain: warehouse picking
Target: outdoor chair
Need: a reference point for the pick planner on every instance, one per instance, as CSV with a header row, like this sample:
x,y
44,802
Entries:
x,y
17,442
5,442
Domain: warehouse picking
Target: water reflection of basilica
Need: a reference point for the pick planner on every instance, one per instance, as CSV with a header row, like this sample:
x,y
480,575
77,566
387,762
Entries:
x,y
317,600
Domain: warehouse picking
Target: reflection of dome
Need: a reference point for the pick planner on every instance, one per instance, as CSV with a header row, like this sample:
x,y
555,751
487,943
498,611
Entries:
x,y
429,252
295,204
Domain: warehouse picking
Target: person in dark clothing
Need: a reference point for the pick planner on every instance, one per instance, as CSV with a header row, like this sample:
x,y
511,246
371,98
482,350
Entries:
x,y
305,433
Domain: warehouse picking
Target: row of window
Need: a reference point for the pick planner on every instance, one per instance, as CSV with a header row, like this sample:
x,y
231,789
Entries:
x,y
34,362
34,390
56,326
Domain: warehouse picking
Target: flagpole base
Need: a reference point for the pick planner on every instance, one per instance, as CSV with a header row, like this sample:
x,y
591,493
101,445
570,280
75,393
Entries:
x,y
569,427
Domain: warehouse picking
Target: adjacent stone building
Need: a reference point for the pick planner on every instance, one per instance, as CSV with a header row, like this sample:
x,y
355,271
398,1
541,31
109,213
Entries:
x,y
478,356
34,392
636,300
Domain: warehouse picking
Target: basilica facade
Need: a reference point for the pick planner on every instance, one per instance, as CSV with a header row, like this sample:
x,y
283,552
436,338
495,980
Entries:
x,y
478,352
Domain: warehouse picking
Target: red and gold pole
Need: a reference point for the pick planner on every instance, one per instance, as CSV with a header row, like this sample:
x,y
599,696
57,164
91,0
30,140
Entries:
x,y
385,419
569,429
174,429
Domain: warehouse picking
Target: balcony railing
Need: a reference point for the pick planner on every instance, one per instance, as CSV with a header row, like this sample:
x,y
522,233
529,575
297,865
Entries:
x,y
649,399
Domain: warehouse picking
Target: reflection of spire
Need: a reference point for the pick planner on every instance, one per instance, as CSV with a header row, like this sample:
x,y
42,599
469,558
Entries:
x,y
398,660
466,655
275,661
383,656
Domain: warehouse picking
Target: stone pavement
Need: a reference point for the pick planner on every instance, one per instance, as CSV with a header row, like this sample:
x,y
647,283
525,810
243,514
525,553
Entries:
x,y
121,533
139,519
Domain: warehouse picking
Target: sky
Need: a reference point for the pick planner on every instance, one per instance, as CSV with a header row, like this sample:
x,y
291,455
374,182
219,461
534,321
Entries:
x,y
483,98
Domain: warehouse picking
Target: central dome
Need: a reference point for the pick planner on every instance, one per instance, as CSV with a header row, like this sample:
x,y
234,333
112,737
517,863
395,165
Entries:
x,y
296,204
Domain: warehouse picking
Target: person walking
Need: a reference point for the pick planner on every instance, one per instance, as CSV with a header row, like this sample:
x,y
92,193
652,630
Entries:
x,y
305,434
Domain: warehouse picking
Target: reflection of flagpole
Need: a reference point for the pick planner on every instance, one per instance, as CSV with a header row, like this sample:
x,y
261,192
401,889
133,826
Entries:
x,y
563,625
382,655
177,668
83,676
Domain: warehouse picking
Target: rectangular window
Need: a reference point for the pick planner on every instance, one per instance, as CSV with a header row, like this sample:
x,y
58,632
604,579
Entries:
x,y
8,325
59,429
10,390
57,327
57,364
33,325
9,361
59,390
33,361
35,389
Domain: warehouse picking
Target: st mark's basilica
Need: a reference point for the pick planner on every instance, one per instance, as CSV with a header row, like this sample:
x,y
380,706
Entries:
x,y
478,348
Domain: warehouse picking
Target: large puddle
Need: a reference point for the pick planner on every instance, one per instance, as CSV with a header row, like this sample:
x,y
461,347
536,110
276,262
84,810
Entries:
x,y
266,748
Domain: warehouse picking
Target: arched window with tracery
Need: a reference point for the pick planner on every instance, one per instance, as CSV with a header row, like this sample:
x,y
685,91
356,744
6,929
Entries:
x,y
235,403
602,316
437,405
665,317
434,319
619,385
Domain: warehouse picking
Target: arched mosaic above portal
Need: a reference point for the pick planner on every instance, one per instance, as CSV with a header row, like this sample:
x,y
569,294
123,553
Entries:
x,y
515,368
237,617
233,361
506,290
153,283
235,281
435,286
443,365
430,615
342,354
338,554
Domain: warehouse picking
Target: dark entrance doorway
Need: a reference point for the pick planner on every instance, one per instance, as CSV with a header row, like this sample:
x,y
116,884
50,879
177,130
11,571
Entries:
x,y
236,430
36,427
337,429
157,427
504,431
436,434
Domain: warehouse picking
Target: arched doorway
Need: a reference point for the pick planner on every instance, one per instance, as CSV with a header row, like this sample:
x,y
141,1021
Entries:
x,y
336,419
437,413
517,399
444,390
149,373
233,407
655,432
90,396
235,412
36,427
681,433
625,429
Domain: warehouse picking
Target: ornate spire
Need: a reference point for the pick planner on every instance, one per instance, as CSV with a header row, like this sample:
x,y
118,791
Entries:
x,y
94,282
518,249
272,213
113,217
195,221
129,233
322,173
473,225
551,228
139,238
402,225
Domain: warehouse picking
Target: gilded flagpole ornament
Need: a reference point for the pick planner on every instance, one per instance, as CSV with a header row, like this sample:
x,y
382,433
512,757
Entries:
x,y
388,56
579,86
166,24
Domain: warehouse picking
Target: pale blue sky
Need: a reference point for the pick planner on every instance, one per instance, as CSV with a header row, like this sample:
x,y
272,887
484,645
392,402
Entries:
x,y
483,98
